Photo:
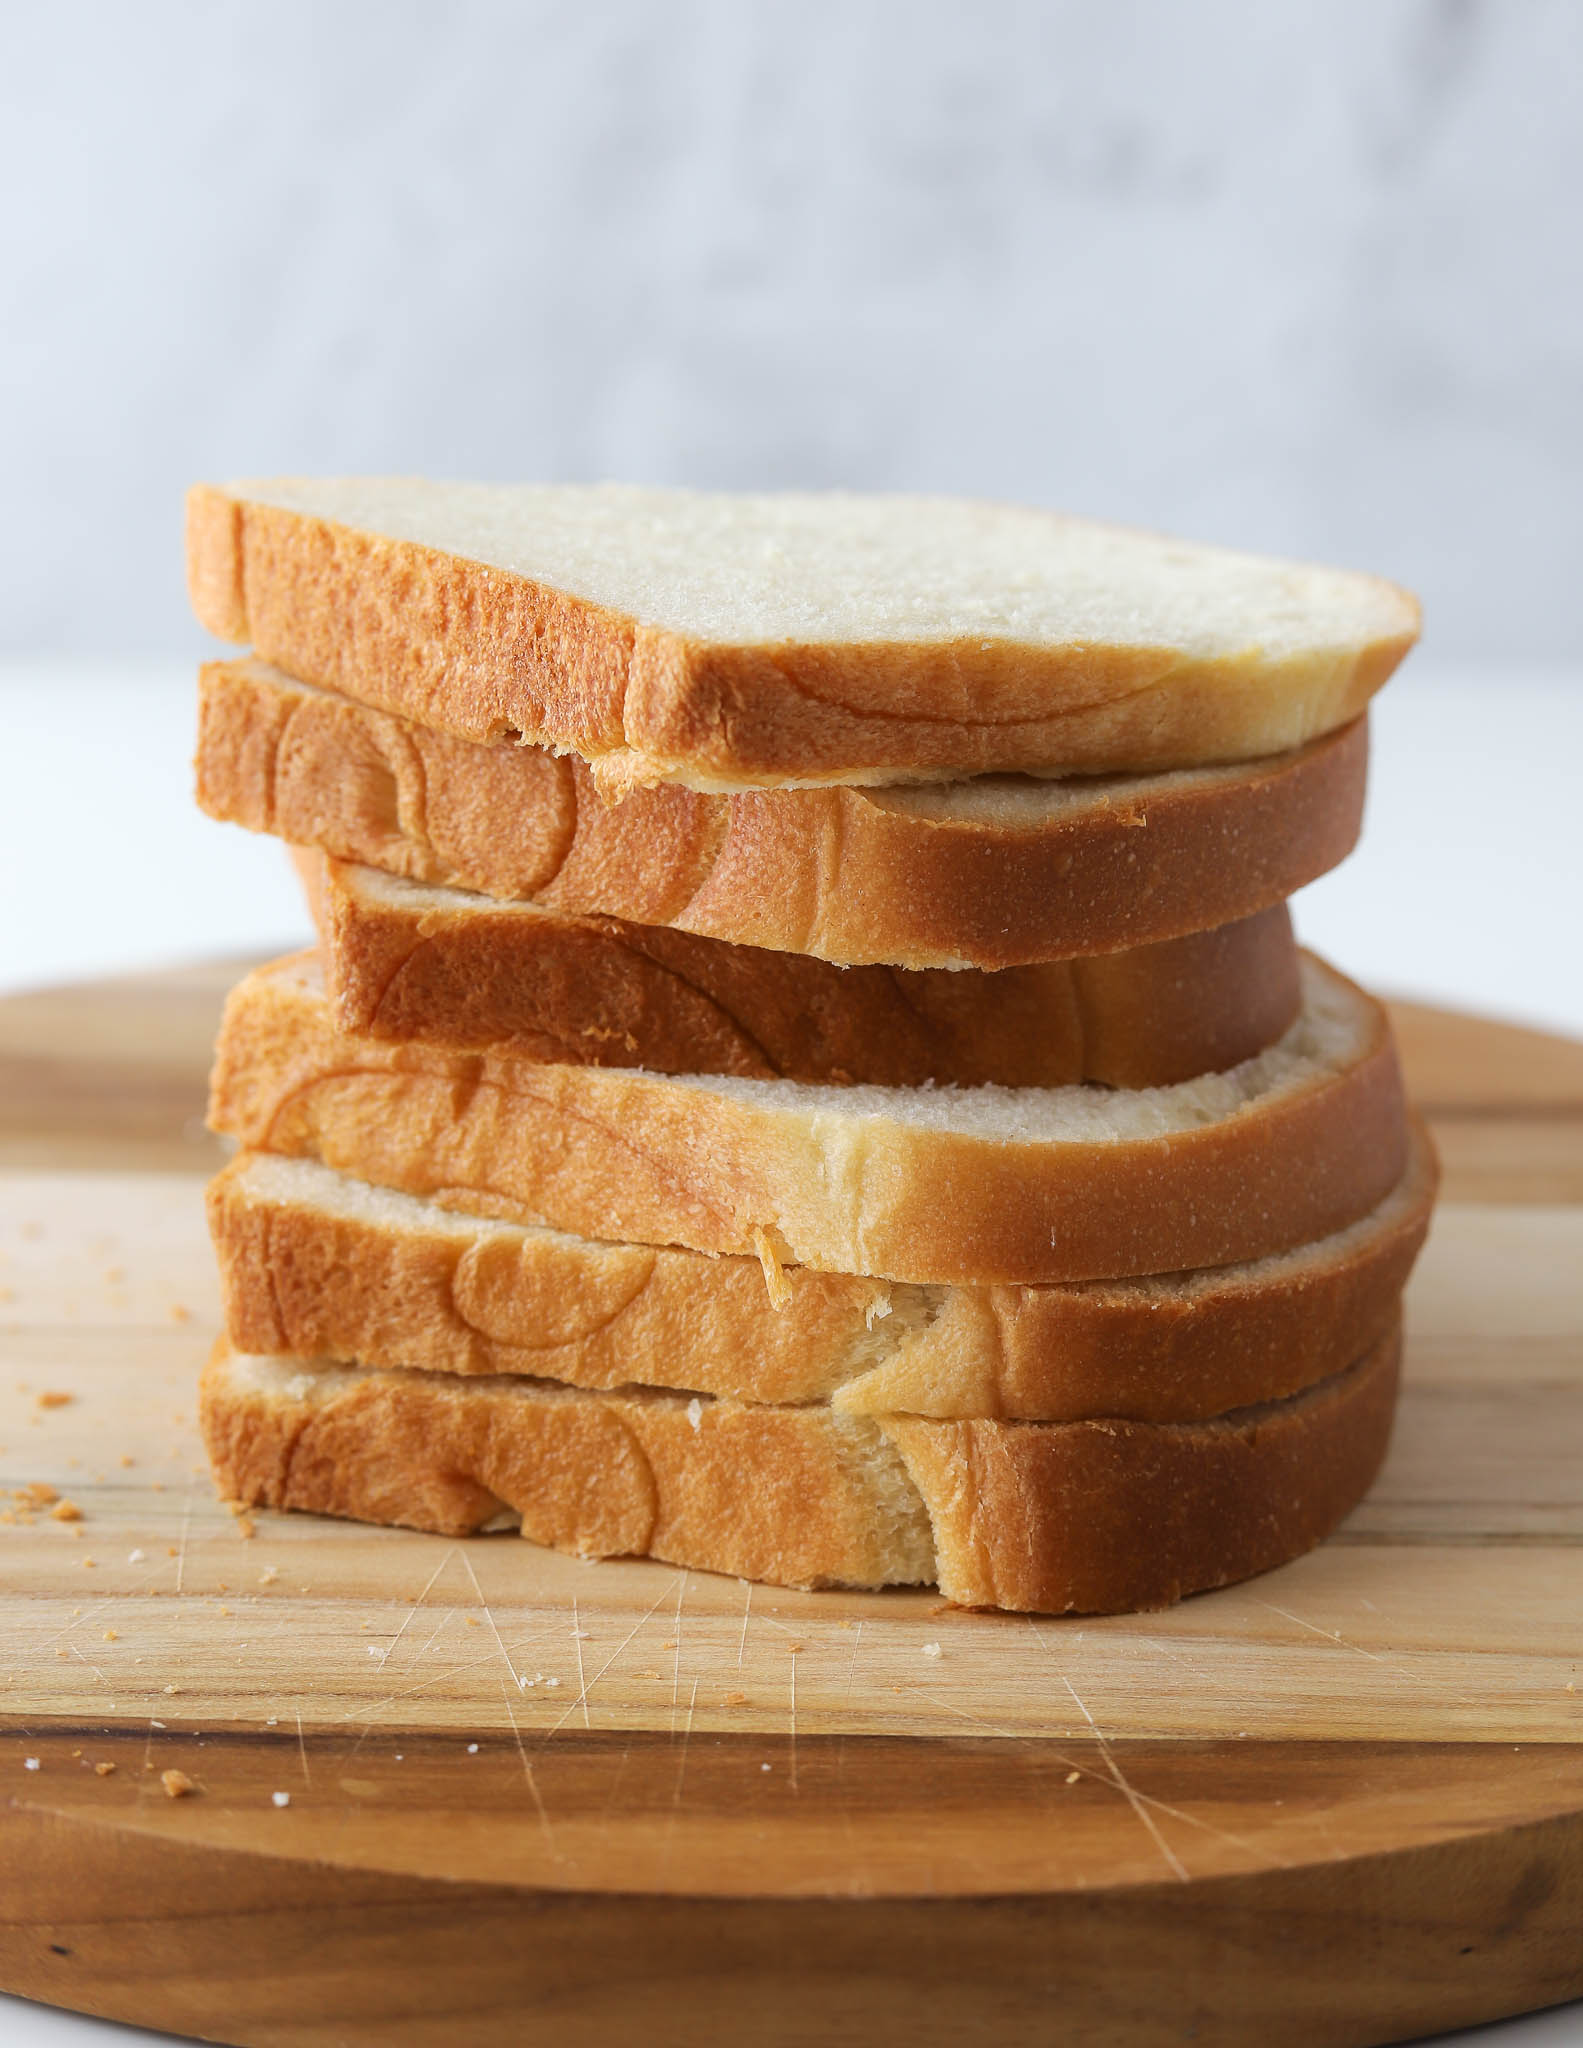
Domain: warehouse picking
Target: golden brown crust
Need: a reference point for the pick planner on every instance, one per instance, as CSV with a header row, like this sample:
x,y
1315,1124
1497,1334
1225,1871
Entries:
x,y
1177,1347
912,878
480,651
1041,1517
791,1495
726,1166
309,1267
463,1295
465,972
1111,1517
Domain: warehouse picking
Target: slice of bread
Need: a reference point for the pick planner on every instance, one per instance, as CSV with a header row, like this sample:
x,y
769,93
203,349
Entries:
x,y
1052,1517
1001,872
316,1264
923,1184
729,641
460,970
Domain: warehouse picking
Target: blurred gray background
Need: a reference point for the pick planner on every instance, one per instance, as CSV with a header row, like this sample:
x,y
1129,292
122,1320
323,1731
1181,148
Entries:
x,y
1305,275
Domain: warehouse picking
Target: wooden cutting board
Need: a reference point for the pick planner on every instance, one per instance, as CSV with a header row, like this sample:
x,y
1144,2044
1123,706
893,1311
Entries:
x,y
477,1793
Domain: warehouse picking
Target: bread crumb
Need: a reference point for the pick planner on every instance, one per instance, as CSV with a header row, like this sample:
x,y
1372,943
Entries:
x,y
268,1575
177,1784
65,1511
735,1699
171,1550
112,1635
1073,1776
931,1649
552,1683
134,1557
38,1495
104,1770
695,1413
470,1621
246,1527
172,1688
53,1399
669,1643
776,1285
126,1462
30,1763
280,1798
87,1563
472,1749
180,1313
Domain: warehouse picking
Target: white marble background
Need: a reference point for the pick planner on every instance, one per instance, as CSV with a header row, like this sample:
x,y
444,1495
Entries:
x,y
1301,274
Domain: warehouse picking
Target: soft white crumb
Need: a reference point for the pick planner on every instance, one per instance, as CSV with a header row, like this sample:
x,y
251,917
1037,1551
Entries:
x,y
695,1413
280,1798
931,1649
472,1749
30,1763
134,1557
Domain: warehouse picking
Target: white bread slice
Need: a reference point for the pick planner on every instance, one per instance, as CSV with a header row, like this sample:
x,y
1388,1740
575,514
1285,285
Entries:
x,y
1053,1517
732,641
460,970
1000,872
316,1264
943,1184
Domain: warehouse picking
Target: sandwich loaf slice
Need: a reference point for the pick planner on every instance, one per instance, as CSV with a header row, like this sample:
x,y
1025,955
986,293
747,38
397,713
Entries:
x,y
1045,1517
999,872
460,970
924,1184
732,641
316,1264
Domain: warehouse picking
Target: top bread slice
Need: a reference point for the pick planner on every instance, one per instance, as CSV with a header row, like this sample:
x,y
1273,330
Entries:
x,y
733,642
924,1184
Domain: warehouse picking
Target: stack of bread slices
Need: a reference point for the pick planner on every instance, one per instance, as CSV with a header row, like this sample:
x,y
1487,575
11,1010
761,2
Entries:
x,y
806,1072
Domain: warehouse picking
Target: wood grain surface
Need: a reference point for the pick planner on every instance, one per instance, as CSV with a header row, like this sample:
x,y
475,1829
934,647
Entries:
x,y
475,1792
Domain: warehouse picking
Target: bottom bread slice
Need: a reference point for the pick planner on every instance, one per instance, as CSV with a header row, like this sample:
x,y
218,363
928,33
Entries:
x,y
1089,1517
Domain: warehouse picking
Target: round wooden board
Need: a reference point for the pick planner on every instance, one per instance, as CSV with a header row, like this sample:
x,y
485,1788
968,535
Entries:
x,y
533,1799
